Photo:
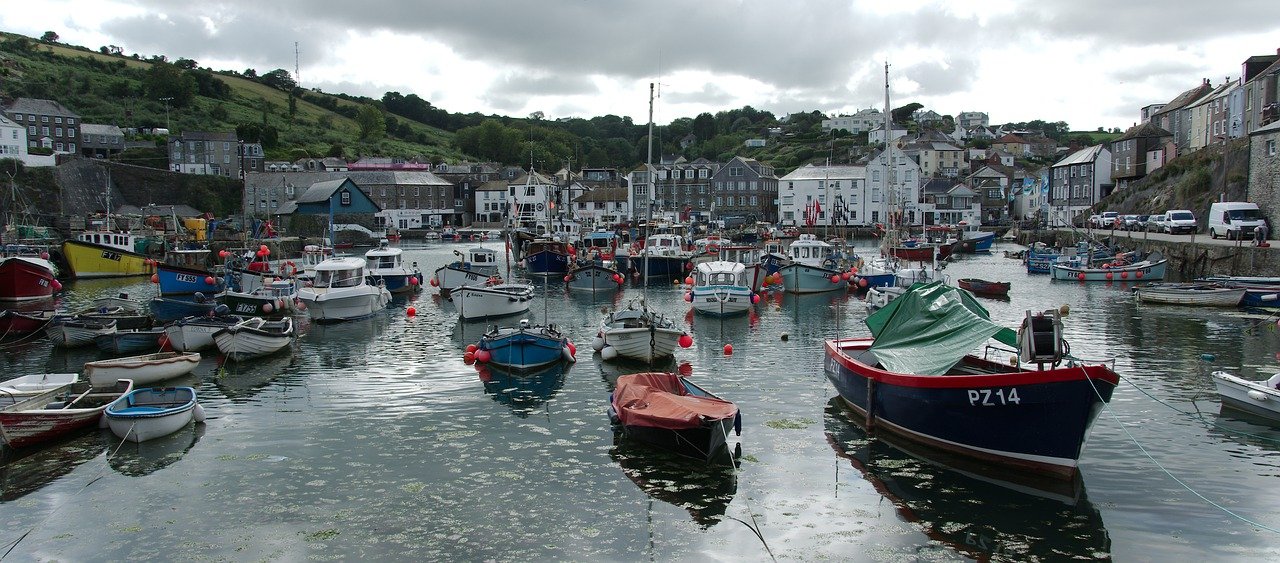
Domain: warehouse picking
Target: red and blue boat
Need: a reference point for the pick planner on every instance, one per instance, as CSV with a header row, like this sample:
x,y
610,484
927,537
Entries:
x,y
182,280
546,257
523,347
917,378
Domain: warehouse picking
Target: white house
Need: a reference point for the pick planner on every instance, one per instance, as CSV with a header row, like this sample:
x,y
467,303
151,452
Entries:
x,y
823,195
13,141
532,199
864,120
601,206
876,135
893,181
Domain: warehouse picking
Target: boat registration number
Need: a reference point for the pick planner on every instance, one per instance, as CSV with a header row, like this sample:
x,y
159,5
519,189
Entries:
x,y
245,308
109,255
185,278
994,397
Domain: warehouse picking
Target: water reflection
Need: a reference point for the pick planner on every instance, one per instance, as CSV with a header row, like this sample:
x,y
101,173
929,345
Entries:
x,y
705,490
524,392
240,381
138,459
26,470
969,508
346,344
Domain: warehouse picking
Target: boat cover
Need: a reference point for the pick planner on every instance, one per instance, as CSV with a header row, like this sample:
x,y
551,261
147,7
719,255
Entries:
x,y
660,400
931,327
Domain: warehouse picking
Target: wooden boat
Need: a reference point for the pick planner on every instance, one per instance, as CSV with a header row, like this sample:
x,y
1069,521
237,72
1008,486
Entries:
x,y
721,288
145,414
492,300
638,333
254,337
916,377
167,309
27,278
130,341
58,412
68,331
524,347
984,288
24,386
142,370
1150,269
22,323
122,309
474,268
193,334
1260,398
340,292
1199,294
670,412
593,277
924,251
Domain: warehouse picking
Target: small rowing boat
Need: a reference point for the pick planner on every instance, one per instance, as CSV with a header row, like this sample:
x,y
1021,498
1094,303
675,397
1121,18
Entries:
x,y
144,414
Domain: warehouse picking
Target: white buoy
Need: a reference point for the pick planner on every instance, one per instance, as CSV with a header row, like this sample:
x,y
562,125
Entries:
x,y
1257,395
198,413
609,353
597,344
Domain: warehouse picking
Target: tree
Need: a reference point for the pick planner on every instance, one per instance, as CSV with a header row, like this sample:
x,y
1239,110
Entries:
x,y
279,79
372,124
903,114
49,37
166,81
249,73
185,64
219,112
704,126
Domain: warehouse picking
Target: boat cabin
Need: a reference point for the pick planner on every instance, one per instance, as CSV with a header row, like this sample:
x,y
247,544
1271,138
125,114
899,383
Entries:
x,y
481,256
664,245
339,272
383,257
720,273
741,254
810,251
121,241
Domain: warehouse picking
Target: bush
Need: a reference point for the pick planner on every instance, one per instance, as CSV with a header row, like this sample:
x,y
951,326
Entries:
x,y
1194,183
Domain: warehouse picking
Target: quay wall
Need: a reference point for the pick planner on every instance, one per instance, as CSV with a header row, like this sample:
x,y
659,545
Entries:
x,y
1189,257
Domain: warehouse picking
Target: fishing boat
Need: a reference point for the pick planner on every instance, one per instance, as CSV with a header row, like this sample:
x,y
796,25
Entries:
x,y
385,266
168,309
923,251
182,280
340,292
25,386
1152,268
1197,294
524,347
193,334
750,258
490,300
546,257
721,288
881,271
149,413
142,370
812,268
638,333
132,341
593,276
27,278
664,258
254,337
773,256
103,254
22,323
917,378
476,266
670,412
984,288
70,331
272,300
973,239
58,412
903,279
1260,398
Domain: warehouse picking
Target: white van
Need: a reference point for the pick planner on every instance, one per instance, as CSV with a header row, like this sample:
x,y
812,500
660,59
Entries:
x,y
1234,218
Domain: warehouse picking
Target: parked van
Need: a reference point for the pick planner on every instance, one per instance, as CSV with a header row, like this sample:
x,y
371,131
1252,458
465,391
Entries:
x,y
1233,219
1178,221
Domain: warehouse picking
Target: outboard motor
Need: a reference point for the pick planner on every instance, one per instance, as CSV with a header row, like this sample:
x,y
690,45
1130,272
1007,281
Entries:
x,y
1040,338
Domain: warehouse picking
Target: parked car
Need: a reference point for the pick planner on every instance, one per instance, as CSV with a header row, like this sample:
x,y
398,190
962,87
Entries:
x,y
1179,221
1156,223
1127,221
1106,220
1093,221
1139,223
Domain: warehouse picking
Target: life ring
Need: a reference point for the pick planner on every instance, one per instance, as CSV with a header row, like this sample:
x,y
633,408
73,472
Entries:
x,y
290,267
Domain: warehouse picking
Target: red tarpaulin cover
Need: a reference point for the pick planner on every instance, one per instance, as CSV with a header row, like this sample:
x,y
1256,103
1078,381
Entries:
x,y
659,400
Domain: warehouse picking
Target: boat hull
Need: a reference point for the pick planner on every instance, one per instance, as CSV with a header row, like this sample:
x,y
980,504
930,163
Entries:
x,y
26,279
721,300
1147,271
984,287
195,334
344,304
16,323
547,263
592,278
452,277
1031,420
634,343
1215,297
1252,397
138,341
74,333
177,280
240,342
88,260
923,253
143,370
146,414
698,426
27,386
402,282
662,269
525,348
485,302
31,421
801,278
167,309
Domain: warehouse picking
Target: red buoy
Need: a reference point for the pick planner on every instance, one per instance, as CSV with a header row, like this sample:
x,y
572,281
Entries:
x,y
686,341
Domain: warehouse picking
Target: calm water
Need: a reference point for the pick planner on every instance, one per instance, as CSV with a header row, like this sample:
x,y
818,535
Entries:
x,y
373,440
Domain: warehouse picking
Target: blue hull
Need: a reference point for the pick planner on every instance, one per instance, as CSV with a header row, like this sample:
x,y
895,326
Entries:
x,y
547,263
879,280
399,283
1267,298
663,268
1033,420
170,309
524,349
175,280
128,343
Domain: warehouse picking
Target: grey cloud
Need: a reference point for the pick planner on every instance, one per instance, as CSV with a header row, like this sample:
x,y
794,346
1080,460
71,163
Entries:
x,y
1142,23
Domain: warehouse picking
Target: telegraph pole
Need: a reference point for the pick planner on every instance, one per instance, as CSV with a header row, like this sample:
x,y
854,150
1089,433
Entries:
x,y
166,110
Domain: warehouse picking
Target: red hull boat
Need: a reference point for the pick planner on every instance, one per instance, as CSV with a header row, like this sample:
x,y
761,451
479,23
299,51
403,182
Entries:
x,y
24,278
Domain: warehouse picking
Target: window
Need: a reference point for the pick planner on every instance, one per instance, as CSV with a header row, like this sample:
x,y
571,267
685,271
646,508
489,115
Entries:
x,y
44,130
31,130
1271,147
44,119
735,171
531,190
71,121
704,173
71,147
59,149
346,198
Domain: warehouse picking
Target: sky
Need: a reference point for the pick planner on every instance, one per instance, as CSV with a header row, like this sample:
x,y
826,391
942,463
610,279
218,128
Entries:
x,y
1090,63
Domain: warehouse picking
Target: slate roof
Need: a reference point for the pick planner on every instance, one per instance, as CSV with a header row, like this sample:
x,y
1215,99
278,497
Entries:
x,y
100,129
1082,156
811,172
1147,129
40,107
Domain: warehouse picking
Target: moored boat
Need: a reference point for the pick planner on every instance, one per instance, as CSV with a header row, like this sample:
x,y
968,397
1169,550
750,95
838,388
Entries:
x,y
1152,268
167,309
590,276
917,378
106,255
984,288
670,412
638,333
340,292
1198,294
22,323
272,300
254,337
133,341
546,257
476,266
182,280
70,331
663,258
721,288
1260,398
149,413
386,267
525,346
24,386
58,412
193,334
812,267
142,370
27,278
492,300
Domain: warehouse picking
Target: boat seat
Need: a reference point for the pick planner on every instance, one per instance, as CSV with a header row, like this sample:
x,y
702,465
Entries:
x,y
139,410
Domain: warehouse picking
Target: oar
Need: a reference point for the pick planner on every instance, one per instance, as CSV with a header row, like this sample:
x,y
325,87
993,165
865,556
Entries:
x,y
77,399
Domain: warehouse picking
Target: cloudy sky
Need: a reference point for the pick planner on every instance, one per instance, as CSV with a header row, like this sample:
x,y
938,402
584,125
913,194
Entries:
x,y
1091,63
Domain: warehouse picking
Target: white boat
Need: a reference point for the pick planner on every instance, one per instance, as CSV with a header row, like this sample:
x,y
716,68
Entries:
x,y
492,300
143,370
57,412
1200,294
1261,398
145,414
880,295
22,387
474,268
340,292
254,337
720,288
193,334
386,266
813,265
637,333
74,331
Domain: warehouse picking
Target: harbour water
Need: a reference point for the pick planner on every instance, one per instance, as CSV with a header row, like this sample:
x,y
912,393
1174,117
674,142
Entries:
x,y
373,440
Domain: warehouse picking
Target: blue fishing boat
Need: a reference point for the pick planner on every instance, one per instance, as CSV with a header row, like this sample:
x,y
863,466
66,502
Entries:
x,y
184,280
523,347
917,378
546,257
663,258
136,341
166,309
385,266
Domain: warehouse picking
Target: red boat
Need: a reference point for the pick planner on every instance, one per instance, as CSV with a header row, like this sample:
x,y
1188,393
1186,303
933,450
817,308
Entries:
x,y
668,411
56,413
923,252
24,278
19,323
984,288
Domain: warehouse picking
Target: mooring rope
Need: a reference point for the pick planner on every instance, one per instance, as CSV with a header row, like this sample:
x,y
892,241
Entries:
x,y
754,526
1199,415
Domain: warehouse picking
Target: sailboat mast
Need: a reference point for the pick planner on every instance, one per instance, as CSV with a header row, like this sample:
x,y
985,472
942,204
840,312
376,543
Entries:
x,y
648,204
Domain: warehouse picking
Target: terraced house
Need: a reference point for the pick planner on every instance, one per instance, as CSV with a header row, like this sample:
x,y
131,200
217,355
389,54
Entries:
x,y
49,124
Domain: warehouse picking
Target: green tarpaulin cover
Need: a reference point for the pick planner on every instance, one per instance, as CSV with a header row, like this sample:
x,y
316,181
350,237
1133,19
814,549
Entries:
x,y
930,328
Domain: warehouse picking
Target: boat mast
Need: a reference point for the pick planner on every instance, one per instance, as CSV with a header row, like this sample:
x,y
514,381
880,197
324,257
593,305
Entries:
x,y
891,223
648,221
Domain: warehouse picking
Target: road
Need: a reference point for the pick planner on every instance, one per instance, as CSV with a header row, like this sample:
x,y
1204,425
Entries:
x,y
1119,235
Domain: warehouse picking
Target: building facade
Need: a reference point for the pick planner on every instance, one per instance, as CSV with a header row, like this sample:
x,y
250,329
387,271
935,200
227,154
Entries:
x,y
202,152
49,124
823,196
13,140
100,141
1077,182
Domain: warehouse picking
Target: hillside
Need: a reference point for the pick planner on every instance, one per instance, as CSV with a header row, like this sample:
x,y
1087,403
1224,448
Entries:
x,y
1191,181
